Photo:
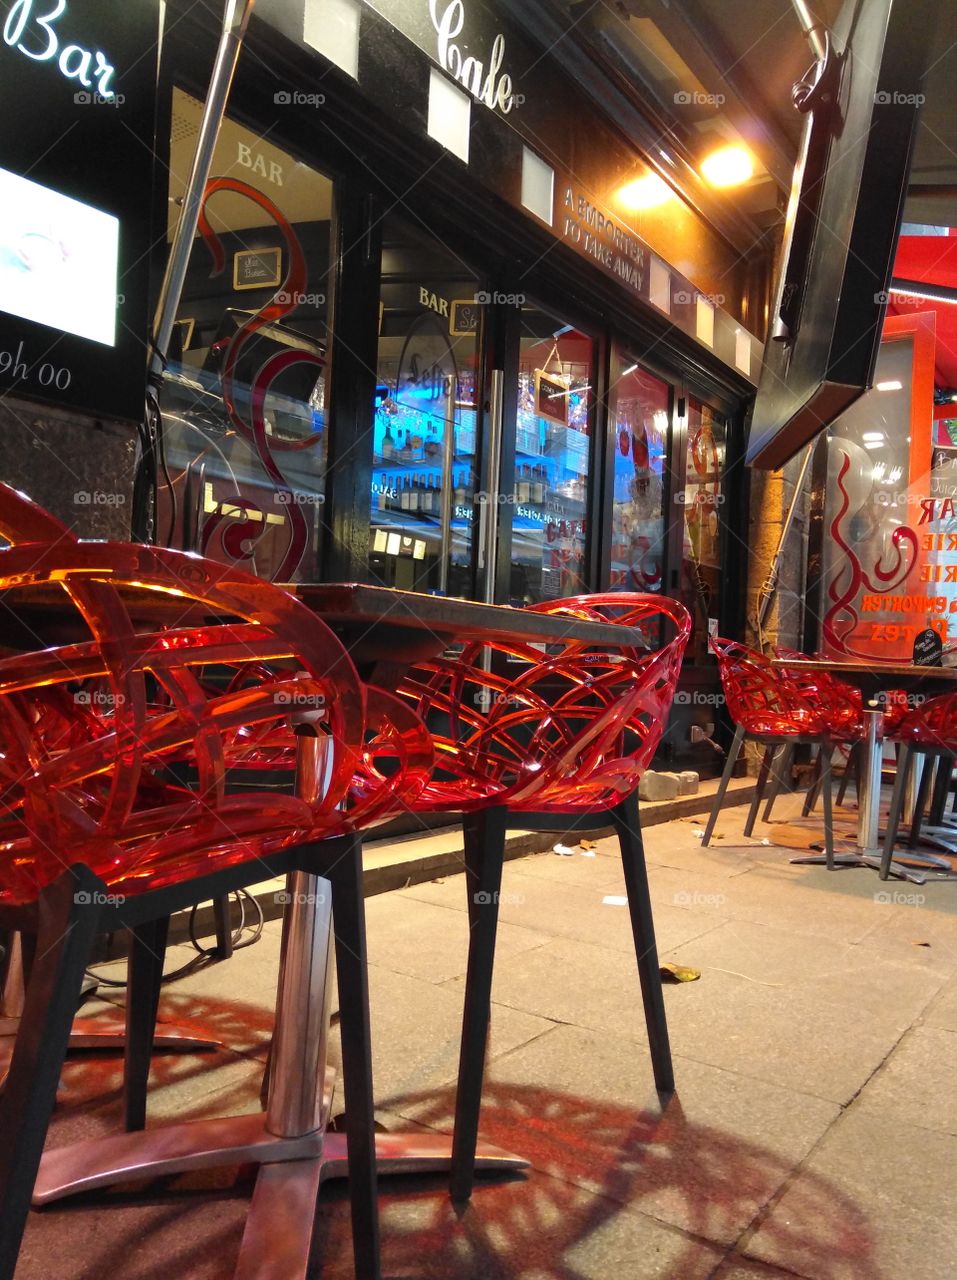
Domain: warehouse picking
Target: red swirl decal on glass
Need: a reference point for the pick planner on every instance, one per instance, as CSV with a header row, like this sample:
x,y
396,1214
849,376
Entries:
x,y
238,541
843,590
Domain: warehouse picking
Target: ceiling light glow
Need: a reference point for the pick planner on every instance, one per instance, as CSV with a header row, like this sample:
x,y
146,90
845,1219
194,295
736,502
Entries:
x,y
728,166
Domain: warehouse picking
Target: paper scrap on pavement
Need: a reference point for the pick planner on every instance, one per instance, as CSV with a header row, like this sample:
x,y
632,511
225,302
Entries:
x,y
678,973
562,850
615,900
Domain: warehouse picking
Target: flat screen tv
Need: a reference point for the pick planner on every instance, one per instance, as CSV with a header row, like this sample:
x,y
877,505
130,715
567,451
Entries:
x,y
842,224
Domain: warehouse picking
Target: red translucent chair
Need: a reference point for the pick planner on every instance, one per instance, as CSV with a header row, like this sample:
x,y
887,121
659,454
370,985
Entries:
x,y
768,707
99,831
928,733
555,740
843,707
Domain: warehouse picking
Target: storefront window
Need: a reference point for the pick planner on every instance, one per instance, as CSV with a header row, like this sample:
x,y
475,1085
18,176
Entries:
x,y
242,471
424,448
703,523
552,459
888,524
638,419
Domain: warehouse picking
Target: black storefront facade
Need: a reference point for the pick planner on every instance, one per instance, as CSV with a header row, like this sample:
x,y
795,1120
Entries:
x,y
444,327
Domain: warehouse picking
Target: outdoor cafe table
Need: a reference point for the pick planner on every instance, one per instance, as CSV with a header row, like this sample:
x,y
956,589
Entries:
x,y
875,681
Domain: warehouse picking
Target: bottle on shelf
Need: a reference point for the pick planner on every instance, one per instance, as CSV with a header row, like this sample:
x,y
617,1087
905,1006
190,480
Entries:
x,y
432,446
405,448
524,485
388,445
539,476
427,496
405,496
459,495
415,494
382,494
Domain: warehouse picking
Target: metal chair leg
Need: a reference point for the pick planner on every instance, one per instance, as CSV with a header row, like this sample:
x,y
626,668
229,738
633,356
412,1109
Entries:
x,y
920,801
851,768
760,785
904,761
938,804
825,784
484,854
780,774
352,971
810,800
145,973
67,928
723,785
627,820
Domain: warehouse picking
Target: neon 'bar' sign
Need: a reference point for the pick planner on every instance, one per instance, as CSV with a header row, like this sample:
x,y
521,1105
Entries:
x,y
75,62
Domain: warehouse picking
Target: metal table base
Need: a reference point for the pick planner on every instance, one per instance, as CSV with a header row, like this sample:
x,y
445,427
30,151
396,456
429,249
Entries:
x,y
289,1143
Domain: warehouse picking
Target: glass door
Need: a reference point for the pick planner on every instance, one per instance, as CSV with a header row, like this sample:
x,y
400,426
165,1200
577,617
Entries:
x,y
426,417
702,500
639,421
548,495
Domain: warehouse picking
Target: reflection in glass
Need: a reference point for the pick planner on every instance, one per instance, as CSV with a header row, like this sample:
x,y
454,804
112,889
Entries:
x,y
424,464
638,420
552,459
703,495
870,548
242,471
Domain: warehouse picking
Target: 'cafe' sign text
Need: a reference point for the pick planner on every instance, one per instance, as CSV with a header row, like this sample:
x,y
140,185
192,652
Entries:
x,y
483,83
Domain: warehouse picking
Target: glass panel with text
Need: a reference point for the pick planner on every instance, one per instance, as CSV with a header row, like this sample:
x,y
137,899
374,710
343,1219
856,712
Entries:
x,y
424,464
638,417
703,523
549,489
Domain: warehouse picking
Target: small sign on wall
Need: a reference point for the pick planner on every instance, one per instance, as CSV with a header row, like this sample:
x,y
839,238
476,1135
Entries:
x,y
257,268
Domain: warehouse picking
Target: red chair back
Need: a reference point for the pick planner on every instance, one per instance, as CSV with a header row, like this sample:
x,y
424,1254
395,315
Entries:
x,y
568,729
762,698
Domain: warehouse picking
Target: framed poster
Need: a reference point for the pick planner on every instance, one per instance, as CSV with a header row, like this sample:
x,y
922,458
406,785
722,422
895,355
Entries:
x,y
464,317
257,268
551,397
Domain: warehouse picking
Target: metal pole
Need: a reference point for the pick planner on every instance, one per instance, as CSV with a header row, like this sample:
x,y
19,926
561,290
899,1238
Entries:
x,y
490,529
235,22
813,28
869,800
770,582
295,1102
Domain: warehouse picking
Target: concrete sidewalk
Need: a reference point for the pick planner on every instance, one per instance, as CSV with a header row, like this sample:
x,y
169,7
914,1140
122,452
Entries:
x,y
813,1132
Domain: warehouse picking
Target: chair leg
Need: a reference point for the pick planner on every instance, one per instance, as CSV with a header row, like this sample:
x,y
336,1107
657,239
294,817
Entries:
x,y
627,820
938,804
484,854
67,927
352,969
920,801
904,761
145,970
779,776
825,785
760,785
851,767
810,800
723,785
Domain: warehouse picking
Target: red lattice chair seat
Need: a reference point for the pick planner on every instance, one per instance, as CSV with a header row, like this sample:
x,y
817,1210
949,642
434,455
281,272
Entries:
x,y
553,740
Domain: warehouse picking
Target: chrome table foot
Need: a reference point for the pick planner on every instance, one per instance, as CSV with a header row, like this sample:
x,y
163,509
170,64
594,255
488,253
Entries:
x,y
102,1036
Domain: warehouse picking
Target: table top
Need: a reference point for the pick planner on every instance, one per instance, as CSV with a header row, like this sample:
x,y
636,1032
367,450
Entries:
x,y
382,627
459,620
878,676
